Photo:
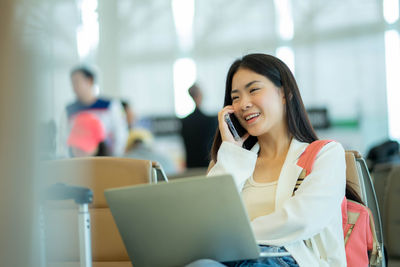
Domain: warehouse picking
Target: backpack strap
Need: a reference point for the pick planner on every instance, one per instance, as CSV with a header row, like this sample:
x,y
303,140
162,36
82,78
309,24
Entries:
x,y
352,218
307,159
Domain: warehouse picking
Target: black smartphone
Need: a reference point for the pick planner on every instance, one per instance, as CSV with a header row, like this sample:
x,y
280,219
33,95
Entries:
x,y
236,129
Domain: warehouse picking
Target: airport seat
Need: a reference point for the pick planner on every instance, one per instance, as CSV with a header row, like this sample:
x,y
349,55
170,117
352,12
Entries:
x,y
392,214
352,175
358,175
386,178
158,172
61,223
191,172
380,175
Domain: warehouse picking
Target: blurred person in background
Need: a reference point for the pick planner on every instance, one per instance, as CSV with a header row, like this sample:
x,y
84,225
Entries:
x,y
197,132
385,152
130,115
140,146
87,136
110,113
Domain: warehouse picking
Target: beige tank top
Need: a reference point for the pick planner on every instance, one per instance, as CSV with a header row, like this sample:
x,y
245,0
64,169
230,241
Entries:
x,y
259,198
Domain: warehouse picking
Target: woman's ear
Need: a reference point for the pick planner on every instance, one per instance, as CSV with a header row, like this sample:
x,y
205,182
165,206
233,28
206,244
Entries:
x,y
289,97
282,93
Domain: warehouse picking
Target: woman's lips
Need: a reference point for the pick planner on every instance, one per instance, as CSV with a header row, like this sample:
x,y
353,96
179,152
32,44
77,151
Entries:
x,y
250,118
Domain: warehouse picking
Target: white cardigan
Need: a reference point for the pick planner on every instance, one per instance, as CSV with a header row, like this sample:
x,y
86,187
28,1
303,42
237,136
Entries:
x,y
313,214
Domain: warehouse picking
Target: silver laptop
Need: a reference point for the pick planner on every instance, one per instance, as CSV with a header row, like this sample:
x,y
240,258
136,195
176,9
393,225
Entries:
x,y
175,223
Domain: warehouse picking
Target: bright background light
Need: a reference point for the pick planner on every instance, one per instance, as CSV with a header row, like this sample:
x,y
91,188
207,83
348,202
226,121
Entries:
x,y
286,54
391,10
184,77
87,34
183,12
284,19
392,56
285,31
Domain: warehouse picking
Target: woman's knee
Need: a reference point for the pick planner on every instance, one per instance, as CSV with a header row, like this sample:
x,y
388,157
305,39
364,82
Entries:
x,y
205,263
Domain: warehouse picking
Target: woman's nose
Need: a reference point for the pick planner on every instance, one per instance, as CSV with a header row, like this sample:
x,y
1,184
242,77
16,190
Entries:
x,y
245,103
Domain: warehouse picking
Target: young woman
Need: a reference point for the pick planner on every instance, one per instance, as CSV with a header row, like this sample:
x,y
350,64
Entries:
x,y
263,95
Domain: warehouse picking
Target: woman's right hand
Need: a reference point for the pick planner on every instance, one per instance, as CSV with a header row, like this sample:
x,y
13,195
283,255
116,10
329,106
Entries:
x,y
226,134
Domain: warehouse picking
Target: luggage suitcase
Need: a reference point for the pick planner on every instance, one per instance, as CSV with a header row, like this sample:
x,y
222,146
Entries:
x,y
83,197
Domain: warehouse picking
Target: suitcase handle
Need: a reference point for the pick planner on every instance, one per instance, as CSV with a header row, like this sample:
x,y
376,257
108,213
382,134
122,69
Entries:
x,y
60,191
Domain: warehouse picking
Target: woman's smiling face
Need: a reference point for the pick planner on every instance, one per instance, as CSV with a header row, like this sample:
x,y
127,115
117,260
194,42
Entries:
x,y
258,103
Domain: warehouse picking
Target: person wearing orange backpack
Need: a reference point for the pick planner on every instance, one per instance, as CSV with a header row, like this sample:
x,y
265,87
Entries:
x,y
263,103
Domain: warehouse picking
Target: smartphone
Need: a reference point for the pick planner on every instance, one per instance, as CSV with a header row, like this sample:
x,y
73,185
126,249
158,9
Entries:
x,y
236,129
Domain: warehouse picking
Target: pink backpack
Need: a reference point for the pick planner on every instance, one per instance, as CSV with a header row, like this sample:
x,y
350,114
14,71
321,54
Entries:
x,y
358,223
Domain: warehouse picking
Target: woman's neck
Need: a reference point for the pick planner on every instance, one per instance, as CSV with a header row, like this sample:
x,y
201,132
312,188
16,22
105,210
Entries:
x,y
274,146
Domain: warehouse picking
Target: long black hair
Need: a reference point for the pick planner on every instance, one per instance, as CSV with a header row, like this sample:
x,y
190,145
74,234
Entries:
x,y
279,74
351,193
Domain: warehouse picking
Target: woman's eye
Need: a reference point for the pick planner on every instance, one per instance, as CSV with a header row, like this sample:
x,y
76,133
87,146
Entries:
x,y
253,90
235,97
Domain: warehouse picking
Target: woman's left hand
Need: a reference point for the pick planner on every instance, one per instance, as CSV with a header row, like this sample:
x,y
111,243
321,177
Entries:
x,y
226,134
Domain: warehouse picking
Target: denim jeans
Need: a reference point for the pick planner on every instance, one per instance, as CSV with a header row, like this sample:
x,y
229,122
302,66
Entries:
x,y
287,261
